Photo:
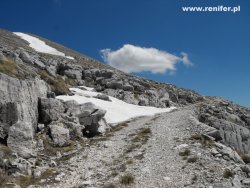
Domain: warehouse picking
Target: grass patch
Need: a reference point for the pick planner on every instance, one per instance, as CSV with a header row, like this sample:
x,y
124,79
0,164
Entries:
x,y
3,179
50,149
228,174
5,151
109,185
245,157
96,140
114,173
192,159
186,152
132,147
205,141
159,86
196,137
118,127
139,157
127,179
142,136
70,82
194,179
58,85
129,162
10,68
25,181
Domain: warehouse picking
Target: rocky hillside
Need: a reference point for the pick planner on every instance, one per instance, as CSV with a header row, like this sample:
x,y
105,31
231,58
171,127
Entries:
x,y
41,135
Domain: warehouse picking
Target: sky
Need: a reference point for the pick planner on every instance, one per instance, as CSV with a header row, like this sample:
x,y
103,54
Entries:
x,y
208,52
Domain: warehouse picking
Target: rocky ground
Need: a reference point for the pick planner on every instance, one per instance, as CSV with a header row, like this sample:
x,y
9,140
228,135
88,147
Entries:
x,y
45,142
166,150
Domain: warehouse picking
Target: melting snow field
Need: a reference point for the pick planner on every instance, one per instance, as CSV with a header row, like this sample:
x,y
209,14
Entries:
x,y
117,110
40,46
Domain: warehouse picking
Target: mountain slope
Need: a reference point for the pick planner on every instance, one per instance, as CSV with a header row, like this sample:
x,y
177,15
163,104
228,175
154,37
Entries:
x,y
40,134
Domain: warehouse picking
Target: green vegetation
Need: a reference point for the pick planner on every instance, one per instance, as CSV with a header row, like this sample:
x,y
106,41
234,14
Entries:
x,y
129,162
192,159
228,174
186,152
110,185
114,173
127,179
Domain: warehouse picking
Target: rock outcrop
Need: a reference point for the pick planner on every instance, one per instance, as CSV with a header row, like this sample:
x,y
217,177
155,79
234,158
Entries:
x,y
21,139
19,111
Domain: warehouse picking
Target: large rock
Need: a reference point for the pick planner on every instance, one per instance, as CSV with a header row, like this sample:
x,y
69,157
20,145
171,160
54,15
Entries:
x,y
8,116
128,87
19,101
90,116
2,57
234,135
20,139
50,109
107,73
25,57
86,74
114,84
73,74
227,151
59,135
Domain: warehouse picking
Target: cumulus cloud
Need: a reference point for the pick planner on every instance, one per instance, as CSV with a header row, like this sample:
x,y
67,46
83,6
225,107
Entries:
x,y
136,59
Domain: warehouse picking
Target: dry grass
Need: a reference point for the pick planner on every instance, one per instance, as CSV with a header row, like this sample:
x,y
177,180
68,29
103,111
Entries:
x,y
245,157
205,141
127,179
132,147
228,174
186,152
192,159
129,162
142,136
58,85
159,86
50,149
119,127
109,185
10,68
3,179
7,153
25,181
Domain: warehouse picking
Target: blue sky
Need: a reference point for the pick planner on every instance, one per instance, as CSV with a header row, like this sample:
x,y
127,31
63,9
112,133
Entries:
x,y
217,43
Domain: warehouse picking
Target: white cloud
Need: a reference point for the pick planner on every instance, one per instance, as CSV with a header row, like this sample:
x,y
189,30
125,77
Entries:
x,y
132,58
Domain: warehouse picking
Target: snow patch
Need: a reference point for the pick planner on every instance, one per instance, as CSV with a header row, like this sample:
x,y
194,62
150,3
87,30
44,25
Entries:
x,y
117,110
41,46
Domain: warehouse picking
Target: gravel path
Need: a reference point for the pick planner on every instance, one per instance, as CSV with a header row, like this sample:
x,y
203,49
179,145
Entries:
x,y
144,153
162,166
